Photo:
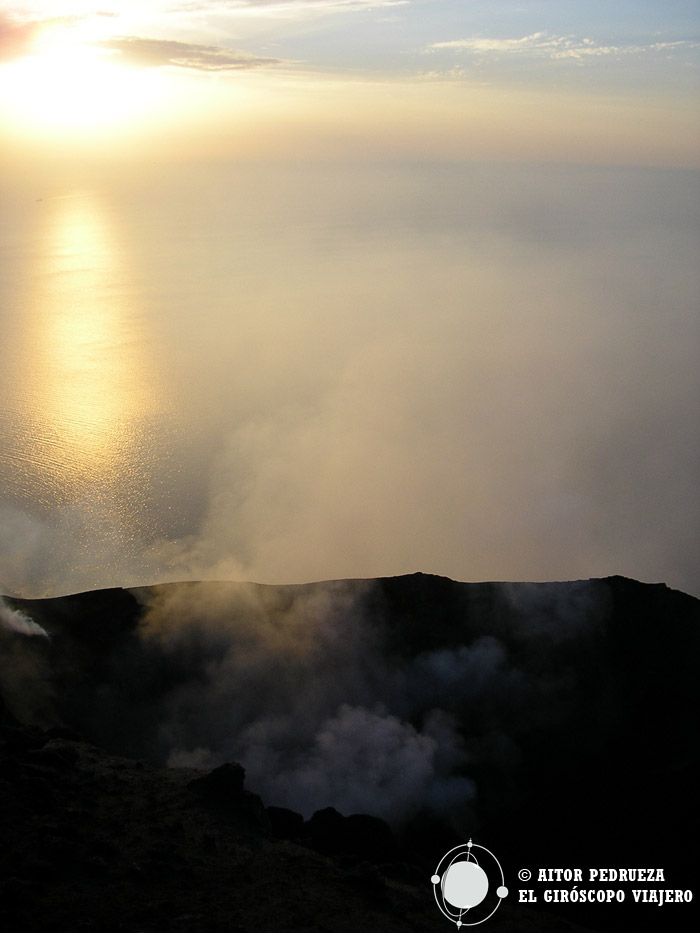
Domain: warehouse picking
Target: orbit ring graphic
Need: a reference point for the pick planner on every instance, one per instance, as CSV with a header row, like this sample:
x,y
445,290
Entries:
x,y
461,885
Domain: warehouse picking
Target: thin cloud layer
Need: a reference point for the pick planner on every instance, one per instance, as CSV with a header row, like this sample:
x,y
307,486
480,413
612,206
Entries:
x,y
292,7
157,53
545,45
20,33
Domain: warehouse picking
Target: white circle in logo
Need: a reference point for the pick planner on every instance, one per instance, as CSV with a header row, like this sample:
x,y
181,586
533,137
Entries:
x,y
464,885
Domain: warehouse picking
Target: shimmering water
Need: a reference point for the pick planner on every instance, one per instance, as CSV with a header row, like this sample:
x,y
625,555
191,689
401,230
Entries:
x,y
297,374
82,389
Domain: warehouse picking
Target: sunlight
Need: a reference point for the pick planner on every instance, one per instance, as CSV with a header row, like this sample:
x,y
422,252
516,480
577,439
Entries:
x,y
73,88
86,372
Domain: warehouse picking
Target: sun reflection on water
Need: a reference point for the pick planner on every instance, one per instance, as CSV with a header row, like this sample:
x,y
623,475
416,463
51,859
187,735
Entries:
x,y
86,386
88,358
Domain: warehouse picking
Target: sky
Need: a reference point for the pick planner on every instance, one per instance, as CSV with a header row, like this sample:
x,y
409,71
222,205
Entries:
x,y
295,290
576,81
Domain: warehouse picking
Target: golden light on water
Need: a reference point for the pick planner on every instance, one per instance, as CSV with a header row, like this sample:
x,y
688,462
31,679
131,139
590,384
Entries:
x,y
84,412
85,389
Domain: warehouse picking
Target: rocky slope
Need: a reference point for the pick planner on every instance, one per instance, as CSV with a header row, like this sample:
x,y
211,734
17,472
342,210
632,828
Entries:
x,y
95,842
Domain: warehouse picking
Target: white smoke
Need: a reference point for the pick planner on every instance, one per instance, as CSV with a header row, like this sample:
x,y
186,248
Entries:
x,y
13,620
306,695
25,682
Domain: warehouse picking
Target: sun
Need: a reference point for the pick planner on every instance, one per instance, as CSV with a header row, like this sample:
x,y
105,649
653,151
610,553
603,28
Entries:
x,y
69,87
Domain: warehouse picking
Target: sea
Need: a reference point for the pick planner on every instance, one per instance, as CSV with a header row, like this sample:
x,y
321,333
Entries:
x,y
294,372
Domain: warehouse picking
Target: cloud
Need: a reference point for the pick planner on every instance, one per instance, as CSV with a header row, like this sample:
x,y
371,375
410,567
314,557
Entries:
x,y
537,40
292,7
158,53
546,45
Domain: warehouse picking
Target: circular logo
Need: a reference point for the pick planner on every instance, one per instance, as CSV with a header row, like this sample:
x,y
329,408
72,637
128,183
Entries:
x,y
468,884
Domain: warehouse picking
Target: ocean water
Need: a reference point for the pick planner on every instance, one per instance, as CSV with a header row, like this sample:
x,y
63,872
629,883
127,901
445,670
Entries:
x,y
292,373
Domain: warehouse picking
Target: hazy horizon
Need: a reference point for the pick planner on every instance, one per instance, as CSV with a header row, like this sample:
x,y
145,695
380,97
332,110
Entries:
x,y
294,291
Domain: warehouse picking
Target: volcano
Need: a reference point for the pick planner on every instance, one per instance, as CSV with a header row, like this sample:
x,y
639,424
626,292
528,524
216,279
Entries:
x,y
229,756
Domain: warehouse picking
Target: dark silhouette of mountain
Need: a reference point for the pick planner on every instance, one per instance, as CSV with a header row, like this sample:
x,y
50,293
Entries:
x,y
329,743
